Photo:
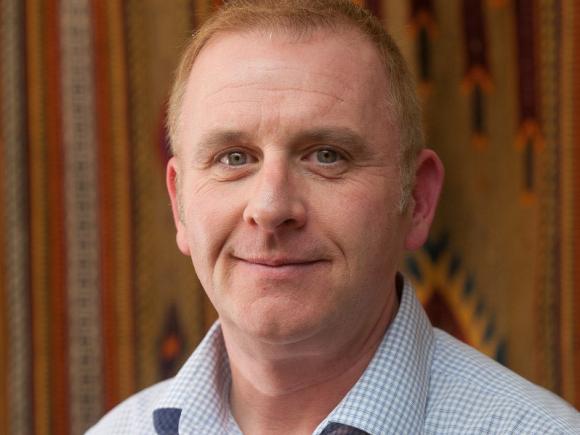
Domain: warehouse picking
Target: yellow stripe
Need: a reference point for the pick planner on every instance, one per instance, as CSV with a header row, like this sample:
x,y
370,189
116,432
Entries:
x,y
3,309
547,104
146,303
567,206
38,220
121,190
3,290
396,21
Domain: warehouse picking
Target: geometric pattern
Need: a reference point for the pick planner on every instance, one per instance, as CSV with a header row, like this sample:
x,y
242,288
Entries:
x,y
449,296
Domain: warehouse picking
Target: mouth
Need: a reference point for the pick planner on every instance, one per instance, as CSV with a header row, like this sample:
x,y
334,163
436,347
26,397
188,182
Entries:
x,y
278,262
280,268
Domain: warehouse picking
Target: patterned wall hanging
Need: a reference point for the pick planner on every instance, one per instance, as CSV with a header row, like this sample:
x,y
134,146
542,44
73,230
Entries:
x,y
477,81
424,28
529,140
449,295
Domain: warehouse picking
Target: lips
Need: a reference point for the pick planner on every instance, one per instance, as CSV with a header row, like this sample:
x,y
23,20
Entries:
x,y
280,269
278,261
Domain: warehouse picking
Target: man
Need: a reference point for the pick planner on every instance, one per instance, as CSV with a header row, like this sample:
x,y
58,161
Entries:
x,y
298,181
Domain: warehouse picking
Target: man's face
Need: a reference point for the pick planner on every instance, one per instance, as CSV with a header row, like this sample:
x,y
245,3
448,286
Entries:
x,y
288,183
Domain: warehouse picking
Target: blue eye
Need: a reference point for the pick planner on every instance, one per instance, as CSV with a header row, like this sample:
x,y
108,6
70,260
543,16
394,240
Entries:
x,y
327,156
234,158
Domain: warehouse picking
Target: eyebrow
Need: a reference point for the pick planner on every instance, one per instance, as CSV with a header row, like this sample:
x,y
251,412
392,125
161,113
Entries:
x,y
343,137
217,138
214,140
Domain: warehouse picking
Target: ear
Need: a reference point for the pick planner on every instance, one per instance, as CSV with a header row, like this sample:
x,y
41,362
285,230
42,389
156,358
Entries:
x,y
171,179
428,182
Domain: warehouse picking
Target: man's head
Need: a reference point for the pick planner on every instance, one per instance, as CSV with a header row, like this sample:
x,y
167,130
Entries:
x,y
286,181
298,19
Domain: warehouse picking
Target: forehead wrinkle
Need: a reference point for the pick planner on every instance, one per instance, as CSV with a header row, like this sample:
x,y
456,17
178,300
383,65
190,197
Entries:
x,y
282,88
266,78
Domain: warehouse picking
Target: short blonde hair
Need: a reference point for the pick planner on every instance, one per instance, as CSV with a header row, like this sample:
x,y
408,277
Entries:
x,y
298,17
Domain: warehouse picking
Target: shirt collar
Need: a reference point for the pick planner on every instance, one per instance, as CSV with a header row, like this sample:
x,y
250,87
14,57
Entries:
x,y
201,388
390,396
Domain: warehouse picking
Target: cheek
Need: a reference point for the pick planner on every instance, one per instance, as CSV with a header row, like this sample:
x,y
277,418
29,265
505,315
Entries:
x,y
359,209
364,222
210,219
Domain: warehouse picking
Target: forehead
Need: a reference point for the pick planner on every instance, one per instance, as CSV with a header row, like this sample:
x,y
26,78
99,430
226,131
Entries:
x,y
332,72
342,52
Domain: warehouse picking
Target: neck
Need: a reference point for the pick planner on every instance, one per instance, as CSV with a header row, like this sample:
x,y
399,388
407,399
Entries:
x,y
293,394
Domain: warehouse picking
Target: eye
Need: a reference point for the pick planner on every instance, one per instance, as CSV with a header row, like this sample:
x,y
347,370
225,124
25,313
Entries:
x,y
327,156
234,158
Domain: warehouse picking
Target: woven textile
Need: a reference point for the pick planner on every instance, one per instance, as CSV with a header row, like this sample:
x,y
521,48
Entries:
x,y
97,303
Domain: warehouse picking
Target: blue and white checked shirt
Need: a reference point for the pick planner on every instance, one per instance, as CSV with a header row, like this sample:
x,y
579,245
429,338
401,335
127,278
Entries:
x,y
420,381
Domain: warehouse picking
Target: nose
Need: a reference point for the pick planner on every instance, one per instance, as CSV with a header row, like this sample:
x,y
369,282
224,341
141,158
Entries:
x,y
275,202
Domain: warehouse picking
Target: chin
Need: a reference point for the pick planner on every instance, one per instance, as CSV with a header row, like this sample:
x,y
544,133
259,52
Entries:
x,y
279,326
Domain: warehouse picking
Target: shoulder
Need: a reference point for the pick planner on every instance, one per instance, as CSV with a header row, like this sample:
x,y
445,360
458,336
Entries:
x,y
470,392
133,414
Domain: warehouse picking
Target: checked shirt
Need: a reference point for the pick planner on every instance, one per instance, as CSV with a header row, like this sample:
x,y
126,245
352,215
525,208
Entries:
x,y
420,381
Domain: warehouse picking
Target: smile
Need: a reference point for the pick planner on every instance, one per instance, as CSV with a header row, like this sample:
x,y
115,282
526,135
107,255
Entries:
x,y
278,262
280,268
